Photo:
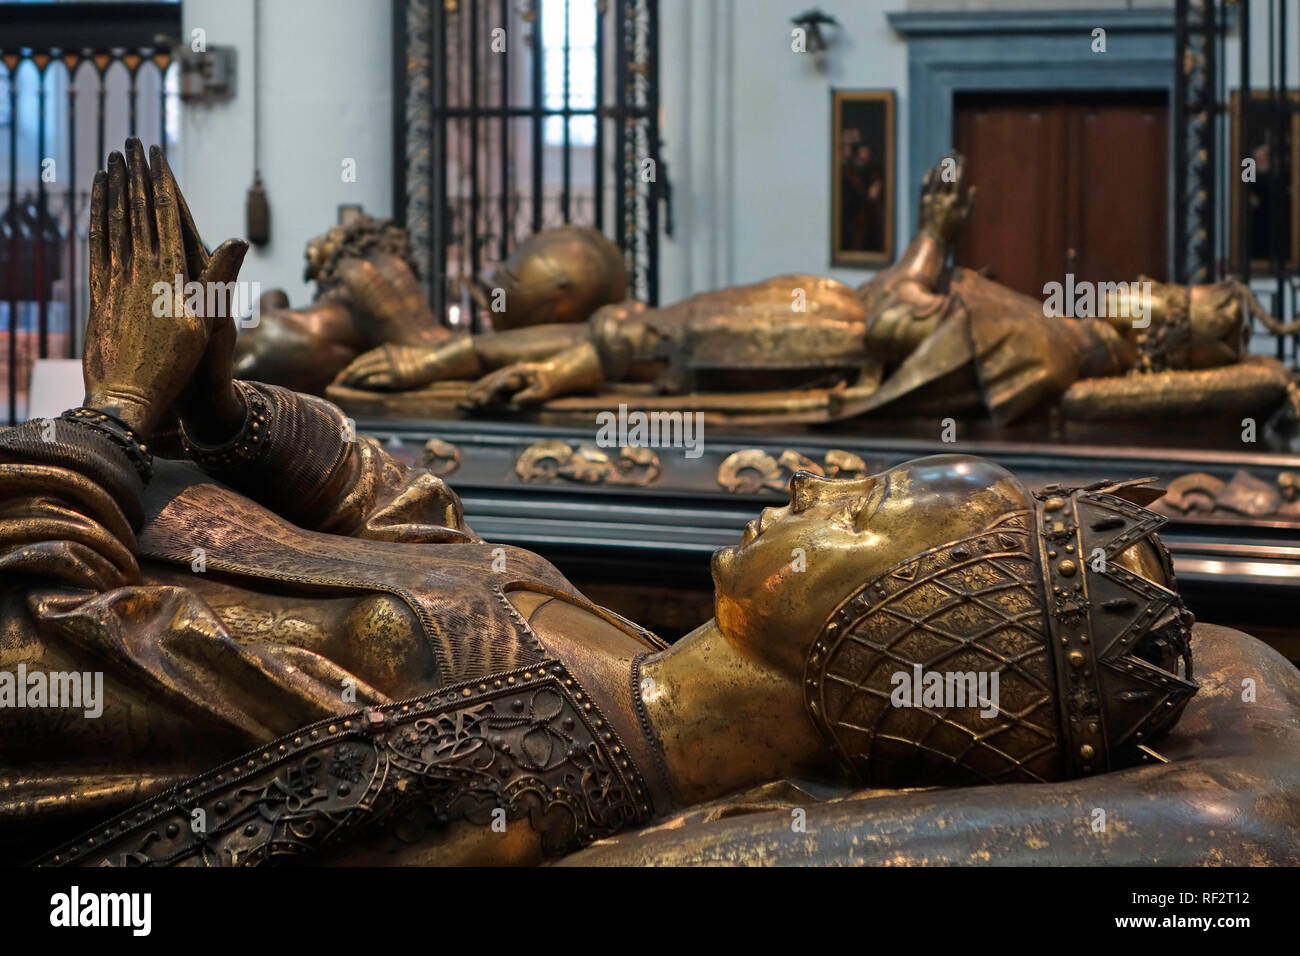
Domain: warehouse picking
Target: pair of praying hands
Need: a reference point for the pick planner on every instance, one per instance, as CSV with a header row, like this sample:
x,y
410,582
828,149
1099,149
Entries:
x,y
148,351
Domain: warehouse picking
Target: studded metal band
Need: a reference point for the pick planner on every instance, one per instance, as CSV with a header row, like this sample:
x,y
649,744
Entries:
x,y
1083,723
119,433
647,729
1098,610
248,444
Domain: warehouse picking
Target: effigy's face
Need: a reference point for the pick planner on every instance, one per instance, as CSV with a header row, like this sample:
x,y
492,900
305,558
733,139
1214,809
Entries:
x,y
797,563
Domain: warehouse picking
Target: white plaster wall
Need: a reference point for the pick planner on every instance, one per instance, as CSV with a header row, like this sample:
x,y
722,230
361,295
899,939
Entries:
x,y
326,96
747,127
927,6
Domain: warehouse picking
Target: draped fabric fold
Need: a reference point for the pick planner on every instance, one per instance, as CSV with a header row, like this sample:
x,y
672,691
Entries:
x,y
203,648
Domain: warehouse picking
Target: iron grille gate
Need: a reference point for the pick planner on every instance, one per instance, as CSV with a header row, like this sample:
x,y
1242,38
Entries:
x,y
75,79
1225,223
515,117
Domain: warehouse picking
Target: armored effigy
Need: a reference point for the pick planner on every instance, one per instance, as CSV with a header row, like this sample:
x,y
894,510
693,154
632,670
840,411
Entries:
x,y
965,344
306,653
369,296
922,337
368,293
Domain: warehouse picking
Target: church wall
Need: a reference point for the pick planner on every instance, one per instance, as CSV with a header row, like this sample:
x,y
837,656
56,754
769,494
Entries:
x,y
746,126
749,153
326,95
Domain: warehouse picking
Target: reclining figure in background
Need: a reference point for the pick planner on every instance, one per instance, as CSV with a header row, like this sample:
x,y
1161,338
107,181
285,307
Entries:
x,y
369,295
305,652
940,337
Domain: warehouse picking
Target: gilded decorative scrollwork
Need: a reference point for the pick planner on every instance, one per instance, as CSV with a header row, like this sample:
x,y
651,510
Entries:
x,y
845,464
588,464
1200,493
440,457
752,470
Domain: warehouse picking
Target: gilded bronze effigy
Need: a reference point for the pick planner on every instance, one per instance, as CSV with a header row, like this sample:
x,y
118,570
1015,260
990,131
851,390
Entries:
x,y
290,645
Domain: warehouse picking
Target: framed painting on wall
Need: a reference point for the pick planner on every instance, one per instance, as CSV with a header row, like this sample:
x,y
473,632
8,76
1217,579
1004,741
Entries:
x,y
1270,195
862,177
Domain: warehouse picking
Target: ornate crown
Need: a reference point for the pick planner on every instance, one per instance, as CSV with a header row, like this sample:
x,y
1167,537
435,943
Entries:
x,y
1117,638
1087,651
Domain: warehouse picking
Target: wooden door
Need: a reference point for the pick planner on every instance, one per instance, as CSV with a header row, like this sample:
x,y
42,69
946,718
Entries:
x,y
1067,183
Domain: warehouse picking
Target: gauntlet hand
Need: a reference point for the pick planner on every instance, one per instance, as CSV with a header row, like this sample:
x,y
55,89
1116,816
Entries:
x,y
524,383
393,368
946,199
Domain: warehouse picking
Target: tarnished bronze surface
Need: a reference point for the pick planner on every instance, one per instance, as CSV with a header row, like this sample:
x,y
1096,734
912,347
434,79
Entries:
x,y
515,749
751,469
440,457
1226,797
921,338
369,300
368,294
789,330
1244,494
139,358
305,652
588,464
556,275
1257,385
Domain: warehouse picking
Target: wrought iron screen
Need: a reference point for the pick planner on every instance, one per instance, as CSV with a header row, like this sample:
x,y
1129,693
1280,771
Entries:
x,y
75,78
514,117
1237,155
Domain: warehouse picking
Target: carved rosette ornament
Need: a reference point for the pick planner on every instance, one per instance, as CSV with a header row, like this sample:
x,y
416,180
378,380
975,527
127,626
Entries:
x,y
585,463
751,470
440,457
528,742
